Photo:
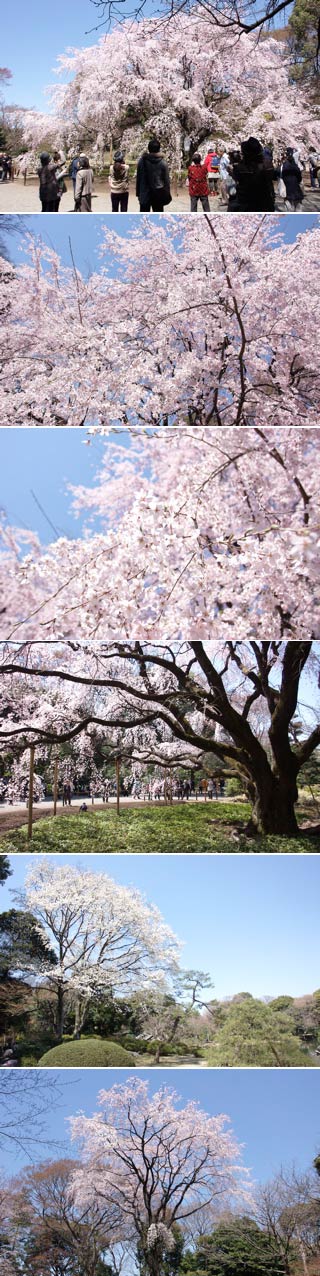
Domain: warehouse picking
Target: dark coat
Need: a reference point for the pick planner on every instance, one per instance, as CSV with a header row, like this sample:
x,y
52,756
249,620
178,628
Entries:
x,y
255,190
152,177
291,175
49,185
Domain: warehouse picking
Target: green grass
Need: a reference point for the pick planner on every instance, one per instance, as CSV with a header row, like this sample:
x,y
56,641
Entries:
x,y
186,828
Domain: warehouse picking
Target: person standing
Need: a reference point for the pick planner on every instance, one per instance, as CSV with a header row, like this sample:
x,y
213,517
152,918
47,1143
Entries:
x,y
254,180
119,183
291,176
313,163
198,185
48,184
61,173
73,172
84,185
153,180
212,166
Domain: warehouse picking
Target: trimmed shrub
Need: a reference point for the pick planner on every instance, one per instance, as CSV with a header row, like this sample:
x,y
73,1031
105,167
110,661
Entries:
x,y
140,1046
88,1052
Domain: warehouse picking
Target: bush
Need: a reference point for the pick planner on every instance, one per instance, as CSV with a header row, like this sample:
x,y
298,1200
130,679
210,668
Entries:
x,y
140,1046
89,1052
233,787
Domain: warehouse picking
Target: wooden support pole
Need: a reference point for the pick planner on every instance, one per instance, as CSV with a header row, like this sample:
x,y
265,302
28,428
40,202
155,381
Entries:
x,y
118,784
30,798
55,785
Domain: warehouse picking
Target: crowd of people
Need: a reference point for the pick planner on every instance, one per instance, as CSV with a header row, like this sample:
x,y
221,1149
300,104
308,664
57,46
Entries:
x,y
250,179
178,789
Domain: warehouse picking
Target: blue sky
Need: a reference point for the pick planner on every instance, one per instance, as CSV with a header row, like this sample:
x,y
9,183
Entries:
x,y
252,921
45,460
33,35
86,233
274,1114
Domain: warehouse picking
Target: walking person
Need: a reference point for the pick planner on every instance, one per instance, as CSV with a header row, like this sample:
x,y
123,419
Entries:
x,y
291,175
198,185
84,185
153,180
119,183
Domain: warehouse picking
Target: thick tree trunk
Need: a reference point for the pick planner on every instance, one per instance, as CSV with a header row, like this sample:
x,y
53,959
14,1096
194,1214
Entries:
x,y
80,1013
273,809
154,1265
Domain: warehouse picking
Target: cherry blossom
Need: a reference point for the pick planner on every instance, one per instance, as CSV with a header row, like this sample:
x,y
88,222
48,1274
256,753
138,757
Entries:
x,y
124,349
215,531
196,1160
183,78
106,937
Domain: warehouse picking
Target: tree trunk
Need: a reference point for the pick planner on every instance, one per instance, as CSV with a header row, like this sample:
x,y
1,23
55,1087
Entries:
x,y
30,795
153,1265
60,1012
80,1013
273,808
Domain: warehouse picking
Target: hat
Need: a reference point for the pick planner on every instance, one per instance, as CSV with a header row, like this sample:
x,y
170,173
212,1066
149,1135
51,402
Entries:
x,y
251,149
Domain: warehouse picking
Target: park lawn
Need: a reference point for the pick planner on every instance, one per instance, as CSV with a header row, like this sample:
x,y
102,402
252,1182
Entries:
x,y
184,828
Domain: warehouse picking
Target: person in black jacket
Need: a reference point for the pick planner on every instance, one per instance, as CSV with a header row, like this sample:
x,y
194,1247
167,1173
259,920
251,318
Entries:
x,y
153,180
291,175
49,190
254,180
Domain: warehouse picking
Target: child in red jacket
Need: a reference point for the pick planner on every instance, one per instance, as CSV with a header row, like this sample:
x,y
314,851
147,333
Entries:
x,y
198,185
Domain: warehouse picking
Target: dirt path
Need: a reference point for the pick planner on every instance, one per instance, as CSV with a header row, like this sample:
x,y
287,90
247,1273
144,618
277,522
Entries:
x,y
17,198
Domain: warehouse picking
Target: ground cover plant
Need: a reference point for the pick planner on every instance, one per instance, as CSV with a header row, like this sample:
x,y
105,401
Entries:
x,y
189,828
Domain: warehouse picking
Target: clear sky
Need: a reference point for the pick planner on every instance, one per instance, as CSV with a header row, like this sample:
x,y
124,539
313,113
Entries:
x,y
33,36
44,461
251,921
274,1114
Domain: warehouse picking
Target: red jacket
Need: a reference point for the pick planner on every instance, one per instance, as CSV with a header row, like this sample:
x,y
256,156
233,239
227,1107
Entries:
x,y
197,176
